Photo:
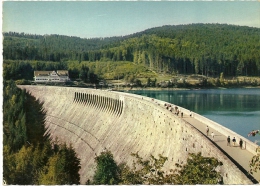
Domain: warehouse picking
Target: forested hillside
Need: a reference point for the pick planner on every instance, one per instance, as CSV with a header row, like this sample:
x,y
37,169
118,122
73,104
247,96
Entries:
x,y
29,156
206,49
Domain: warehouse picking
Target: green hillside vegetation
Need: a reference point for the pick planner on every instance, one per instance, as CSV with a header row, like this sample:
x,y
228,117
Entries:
x,y
113,70
189,56
121,73
204,49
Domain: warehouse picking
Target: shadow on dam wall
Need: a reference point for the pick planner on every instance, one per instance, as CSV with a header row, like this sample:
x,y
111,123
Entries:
x,y
94,120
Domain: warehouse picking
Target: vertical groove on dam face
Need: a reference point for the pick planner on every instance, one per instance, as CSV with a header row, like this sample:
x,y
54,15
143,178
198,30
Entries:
x,y
93,120
100,103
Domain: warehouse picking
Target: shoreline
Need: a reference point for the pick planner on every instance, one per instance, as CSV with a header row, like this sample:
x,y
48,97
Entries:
x,y
172,89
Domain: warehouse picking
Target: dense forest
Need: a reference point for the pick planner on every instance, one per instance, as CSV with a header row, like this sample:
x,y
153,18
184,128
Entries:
x,y
205,49
29,156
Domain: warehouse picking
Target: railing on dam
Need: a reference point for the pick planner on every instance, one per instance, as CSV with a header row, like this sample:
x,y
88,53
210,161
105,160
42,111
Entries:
x,y
250,146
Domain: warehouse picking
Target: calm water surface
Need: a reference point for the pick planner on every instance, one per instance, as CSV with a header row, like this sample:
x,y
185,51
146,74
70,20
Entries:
x,y
236,109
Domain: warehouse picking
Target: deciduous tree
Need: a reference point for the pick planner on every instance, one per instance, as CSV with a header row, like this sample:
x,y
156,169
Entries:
x,y
107,171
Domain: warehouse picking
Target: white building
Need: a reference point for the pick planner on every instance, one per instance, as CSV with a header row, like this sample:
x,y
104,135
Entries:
x,y
51,76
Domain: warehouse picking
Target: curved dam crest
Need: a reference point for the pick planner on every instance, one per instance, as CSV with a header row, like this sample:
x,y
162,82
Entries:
x,y
94,120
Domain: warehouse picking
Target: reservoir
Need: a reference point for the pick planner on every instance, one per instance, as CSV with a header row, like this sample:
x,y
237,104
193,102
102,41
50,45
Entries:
x,y
236,109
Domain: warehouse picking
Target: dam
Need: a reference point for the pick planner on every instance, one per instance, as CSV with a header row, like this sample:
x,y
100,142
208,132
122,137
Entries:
x,y
94,120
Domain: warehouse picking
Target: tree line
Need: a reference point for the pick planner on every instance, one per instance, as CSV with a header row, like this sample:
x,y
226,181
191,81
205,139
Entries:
x,y
133,75
206,49
197,170
19,69
20,46
29,157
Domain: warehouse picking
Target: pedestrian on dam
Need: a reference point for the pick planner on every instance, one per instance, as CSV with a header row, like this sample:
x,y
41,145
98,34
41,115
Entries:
x,y
212,135
207,130
190,114
241,143
234,141
228,141
182,114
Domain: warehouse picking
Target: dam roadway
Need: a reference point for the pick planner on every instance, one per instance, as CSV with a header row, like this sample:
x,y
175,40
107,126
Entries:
x,y
94,120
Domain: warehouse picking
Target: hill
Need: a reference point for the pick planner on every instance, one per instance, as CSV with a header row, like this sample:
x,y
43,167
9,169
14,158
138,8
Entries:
x,y
205,49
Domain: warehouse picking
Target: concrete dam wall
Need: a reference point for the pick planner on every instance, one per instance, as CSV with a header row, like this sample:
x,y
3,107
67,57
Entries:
x,y
94,120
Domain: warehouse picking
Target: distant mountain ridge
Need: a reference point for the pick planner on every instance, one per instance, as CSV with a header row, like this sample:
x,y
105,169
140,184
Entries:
x,y
207,49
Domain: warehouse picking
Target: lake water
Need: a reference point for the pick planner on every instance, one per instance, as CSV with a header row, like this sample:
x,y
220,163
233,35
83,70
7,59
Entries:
x,y
236,109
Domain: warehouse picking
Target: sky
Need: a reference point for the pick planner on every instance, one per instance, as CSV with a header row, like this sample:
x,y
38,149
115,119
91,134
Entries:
x,y
90,19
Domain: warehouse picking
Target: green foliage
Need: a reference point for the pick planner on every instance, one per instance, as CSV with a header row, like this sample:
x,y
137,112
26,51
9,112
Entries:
x,y
17,70
19,166
129,176
24,70
106,169
84,73
22,82
24,166
121,69
149,171
62,168
150,82
255,162
51,47
14,124
198,170
27,153
23,118
221,79
206,49
8,164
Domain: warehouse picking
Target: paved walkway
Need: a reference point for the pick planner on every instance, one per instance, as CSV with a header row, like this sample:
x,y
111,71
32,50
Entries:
x,y
242,156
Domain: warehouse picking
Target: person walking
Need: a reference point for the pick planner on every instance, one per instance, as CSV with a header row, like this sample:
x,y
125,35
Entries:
x,y
228,141
234,141
212,135
207,130
241,143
